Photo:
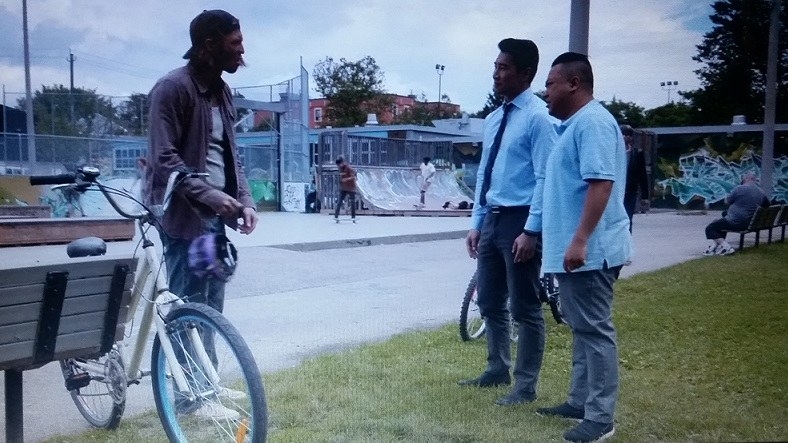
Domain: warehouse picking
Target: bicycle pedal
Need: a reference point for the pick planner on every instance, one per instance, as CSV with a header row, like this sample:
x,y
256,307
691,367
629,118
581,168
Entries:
x,y
77,381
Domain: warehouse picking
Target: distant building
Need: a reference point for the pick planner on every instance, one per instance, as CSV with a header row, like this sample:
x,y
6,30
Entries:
x,y
401,104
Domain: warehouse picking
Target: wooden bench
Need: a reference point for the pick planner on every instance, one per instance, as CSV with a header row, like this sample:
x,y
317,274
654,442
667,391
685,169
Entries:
x,y
53,310
781,221
764,219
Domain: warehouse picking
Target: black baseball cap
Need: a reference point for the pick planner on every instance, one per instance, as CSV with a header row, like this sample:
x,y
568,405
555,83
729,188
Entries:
x,y
210,23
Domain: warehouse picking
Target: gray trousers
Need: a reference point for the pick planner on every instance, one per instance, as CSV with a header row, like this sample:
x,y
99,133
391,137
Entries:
x,y
188,286
586,302
500,279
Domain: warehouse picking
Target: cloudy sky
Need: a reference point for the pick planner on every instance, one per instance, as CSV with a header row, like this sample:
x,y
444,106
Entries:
x,y
122,47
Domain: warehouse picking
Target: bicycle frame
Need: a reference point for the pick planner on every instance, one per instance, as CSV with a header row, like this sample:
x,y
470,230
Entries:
x,y
151,274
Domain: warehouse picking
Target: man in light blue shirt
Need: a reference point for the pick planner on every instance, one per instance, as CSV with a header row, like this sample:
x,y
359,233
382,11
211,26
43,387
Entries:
x,y
517,140
586,240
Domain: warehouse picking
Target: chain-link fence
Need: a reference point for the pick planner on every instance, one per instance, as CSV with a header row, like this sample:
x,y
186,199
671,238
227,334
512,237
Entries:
x,y
85,128
373,151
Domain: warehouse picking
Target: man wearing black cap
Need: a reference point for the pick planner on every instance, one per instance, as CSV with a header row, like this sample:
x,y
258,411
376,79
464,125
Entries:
x,y
517,139
191,129
637,177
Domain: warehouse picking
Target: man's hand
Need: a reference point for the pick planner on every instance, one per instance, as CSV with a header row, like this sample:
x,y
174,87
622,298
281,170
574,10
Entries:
x,y
575,255
228,206
472,242
524,248
249,216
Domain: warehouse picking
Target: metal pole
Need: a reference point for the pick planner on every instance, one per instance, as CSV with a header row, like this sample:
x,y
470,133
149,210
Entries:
x,y
142,116
31,132
14,422
440,77
71,89
5,127
770,105
279,159
578,26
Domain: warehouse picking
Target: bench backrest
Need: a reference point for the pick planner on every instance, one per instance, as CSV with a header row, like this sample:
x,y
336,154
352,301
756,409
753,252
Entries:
x,y
782,218
764,217
54,311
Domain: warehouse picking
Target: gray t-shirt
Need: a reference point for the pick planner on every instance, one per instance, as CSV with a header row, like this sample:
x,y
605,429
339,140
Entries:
x,y
743,201
214,163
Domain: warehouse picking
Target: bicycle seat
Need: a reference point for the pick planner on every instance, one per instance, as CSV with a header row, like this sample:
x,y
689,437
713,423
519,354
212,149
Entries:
x,y
86,247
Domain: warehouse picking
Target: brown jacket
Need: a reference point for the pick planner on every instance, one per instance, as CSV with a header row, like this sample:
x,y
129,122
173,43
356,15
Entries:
x,y
347,179
180,122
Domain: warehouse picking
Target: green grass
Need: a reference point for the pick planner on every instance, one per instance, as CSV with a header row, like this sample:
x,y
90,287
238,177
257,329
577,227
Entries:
x,y
703,352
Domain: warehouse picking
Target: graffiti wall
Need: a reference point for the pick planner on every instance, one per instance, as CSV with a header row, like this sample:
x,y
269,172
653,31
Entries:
x,y
294,197
711,177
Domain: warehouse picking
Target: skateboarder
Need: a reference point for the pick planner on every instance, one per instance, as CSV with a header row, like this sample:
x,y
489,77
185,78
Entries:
x,y
427,173
347,186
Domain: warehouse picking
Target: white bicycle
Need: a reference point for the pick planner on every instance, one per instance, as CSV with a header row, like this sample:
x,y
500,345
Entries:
x,y
202,393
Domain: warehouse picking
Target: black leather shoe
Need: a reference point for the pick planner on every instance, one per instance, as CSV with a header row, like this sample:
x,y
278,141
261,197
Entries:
x,y
515,398
487,380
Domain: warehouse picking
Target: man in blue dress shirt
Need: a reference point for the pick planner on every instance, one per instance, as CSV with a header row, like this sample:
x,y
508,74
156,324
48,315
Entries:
x,y
586,240
518,137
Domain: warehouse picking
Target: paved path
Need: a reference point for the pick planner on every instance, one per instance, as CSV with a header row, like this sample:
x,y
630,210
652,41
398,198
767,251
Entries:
x,y
292,305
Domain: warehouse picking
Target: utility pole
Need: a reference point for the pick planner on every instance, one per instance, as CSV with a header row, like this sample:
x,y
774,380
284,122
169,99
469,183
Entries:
x,y
31,132
578,26
5,128
71,91
439,69
770,105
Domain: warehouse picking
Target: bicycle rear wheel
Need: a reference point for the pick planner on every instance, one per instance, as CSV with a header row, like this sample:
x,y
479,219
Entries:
x,y
551,297
228,408
471,322
97,387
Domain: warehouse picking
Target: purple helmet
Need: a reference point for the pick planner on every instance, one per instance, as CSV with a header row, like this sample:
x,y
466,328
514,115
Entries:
x,y
213,256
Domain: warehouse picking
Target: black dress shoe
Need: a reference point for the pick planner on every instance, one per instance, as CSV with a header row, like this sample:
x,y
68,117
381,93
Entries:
x,y
487,380
515,398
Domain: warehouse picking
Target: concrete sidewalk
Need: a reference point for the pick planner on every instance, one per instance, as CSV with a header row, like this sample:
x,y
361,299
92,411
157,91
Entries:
x,y
407,273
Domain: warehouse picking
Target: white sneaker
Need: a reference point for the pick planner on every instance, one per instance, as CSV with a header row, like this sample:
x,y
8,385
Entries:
x,y
711,250
231,394
213,410
725,251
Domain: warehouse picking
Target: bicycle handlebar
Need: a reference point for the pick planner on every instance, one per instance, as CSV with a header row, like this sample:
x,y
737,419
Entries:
x,y
83,179
87,176
60,179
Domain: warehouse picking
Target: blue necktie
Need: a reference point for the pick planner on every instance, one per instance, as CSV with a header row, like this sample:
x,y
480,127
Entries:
x,y
493,153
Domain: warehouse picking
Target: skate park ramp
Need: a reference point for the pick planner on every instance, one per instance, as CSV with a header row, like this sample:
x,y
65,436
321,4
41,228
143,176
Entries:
x,y
398,189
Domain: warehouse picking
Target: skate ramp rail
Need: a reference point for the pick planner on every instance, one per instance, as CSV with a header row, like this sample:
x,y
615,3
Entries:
x,y
398,189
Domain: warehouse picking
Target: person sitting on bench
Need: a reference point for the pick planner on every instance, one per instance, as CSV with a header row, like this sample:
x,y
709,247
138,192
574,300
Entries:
x,y
743,201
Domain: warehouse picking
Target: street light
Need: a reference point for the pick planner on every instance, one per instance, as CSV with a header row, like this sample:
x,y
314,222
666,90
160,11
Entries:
x,y
439,69
668,86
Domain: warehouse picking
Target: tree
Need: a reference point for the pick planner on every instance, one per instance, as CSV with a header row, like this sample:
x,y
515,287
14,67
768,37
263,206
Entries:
x,y
494,101
353,90
734,55
79,113
59,111
671,114
625,112
133,114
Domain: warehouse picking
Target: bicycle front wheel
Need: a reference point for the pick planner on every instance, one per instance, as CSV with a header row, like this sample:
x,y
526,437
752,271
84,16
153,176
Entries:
x,y
471,322
224,397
